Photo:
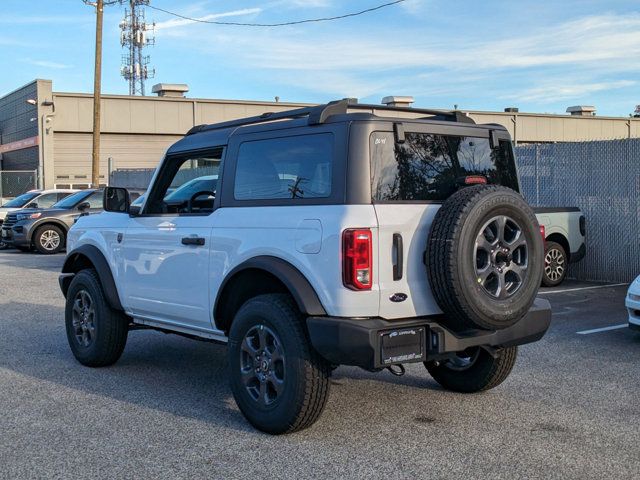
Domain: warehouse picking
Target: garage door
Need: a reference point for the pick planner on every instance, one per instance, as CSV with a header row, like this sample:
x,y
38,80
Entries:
x,y
72,154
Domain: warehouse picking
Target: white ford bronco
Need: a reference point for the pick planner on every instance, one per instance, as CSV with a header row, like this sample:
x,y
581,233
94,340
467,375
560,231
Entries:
x,y
343,234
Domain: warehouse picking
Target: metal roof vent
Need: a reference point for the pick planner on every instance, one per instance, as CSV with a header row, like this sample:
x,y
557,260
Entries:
x,y
582,110
397,101
170,89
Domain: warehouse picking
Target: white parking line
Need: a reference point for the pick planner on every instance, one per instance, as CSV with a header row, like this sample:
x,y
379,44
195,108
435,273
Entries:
x,y
582,288
603,329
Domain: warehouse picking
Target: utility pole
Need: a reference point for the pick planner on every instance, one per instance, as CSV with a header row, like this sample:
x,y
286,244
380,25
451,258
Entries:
x,y
97,76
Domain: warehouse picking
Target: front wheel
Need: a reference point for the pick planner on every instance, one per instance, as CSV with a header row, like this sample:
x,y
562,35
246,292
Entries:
x,y
473,370
278,381
555,265
96,333
49,239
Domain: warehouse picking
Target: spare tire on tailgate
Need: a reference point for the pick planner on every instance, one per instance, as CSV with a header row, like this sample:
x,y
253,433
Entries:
x,y
484,258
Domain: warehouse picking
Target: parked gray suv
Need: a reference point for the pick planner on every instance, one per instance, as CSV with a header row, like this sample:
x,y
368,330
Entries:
x,y
46,229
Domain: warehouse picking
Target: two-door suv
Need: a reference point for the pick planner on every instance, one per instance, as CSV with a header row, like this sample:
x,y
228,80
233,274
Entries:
x,y
343,234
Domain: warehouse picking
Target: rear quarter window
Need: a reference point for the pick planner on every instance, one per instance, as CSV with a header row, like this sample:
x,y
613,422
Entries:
x,y
429,167
298,167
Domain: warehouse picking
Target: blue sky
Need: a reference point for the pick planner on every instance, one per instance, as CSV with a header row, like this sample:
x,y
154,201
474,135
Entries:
x,y
541,56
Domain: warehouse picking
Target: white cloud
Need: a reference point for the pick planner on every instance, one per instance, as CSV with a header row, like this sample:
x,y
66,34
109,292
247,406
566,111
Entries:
x,y
556,92
180,22
595,48
47,64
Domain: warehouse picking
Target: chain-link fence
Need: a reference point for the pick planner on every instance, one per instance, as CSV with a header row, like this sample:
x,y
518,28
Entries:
x,y
601,178
134,178
16,182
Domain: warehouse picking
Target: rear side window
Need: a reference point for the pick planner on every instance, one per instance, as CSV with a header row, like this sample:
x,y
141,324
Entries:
x,y
46,200
285,168
428,167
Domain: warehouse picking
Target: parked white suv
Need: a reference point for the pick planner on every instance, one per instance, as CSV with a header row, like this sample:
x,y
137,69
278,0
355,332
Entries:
x,y
325,236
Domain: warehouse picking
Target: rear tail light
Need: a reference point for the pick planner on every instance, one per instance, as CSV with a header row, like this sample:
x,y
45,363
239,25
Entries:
x,y
357,259
543,233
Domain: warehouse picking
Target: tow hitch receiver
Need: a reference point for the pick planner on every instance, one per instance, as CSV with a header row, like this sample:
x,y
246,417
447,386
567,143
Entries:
x,y
403,345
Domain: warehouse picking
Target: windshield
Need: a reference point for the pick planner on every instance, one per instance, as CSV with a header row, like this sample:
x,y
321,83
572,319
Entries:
x,y
22,200
72,200
429,167
201,184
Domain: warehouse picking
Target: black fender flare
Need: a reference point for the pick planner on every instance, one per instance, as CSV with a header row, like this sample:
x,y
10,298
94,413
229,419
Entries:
x,y
79,259
301,290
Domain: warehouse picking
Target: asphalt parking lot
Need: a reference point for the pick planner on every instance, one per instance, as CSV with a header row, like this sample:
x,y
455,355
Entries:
x,y
570,409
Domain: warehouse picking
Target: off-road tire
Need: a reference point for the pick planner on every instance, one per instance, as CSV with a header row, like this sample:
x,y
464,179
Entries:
x,y
450,258
110,326
549,248
306,377
39,239
485,373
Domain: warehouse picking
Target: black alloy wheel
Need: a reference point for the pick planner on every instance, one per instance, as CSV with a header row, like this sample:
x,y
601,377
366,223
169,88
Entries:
x,y
501,257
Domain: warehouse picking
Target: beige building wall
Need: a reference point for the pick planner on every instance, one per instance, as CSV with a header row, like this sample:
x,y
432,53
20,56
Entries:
x,y
136,131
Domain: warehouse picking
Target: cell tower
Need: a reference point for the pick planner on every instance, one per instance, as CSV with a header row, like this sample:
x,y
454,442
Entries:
x,y
134,36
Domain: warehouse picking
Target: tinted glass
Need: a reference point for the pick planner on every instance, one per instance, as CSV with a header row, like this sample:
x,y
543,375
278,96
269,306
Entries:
x,y
72,200
429,167
181,178
207,183
291,167
62,195
21,200
46,200
95,200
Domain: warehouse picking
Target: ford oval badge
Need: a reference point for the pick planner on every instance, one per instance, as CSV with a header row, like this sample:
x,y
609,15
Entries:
x,y
398,297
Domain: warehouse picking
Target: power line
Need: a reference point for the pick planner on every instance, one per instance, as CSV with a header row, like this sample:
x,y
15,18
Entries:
x,y
297,22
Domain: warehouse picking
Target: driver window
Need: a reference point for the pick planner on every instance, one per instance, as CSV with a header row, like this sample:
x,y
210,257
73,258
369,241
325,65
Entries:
x,y
188,185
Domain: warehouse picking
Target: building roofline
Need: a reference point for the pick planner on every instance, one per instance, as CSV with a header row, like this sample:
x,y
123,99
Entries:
x,y
26,85
187,99
547,115
306,104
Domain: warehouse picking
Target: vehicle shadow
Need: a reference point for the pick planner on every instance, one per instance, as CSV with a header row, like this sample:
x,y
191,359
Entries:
x,y
31,260
164,372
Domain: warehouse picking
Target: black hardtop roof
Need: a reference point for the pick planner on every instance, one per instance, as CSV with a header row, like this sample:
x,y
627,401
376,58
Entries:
x,y
204,136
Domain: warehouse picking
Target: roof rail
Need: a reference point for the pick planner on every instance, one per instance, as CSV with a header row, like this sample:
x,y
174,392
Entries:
x,y
319,114
450,115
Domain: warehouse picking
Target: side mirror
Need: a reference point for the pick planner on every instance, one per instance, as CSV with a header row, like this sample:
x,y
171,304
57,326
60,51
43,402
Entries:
x,y
84,206
116,200
32,205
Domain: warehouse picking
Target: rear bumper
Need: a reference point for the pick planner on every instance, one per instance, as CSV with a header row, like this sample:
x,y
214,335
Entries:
x,y
579,255
348,341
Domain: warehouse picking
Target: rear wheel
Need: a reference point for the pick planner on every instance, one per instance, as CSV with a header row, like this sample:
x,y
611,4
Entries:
x,y
278,381
49,239
473,370
555,264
